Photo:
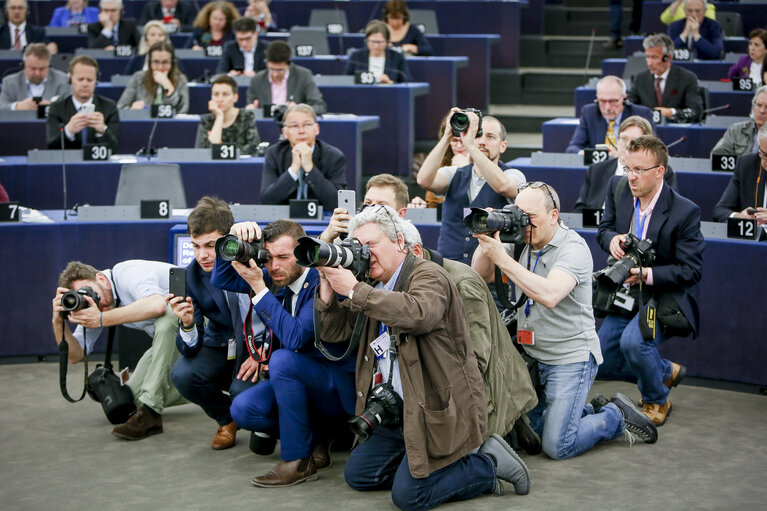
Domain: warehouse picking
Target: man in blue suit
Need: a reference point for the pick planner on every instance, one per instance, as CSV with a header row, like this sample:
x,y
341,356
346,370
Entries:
x,y
600,121
701,35
209,350
643,205
305,394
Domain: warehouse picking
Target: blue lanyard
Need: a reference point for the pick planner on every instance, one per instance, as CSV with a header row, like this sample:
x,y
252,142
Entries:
x,y
529,301
639,233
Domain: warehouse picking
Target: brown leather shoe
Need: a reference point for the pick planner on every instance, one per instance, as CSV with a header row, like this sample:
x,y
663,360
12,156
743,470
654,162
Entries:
x,y
288,473
656,412
226,437
678,372
140,425
321,456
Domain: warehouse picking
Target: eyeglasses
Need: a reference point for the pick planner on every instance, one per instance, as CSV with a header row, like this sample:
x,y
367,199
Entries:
x,y
762,154
638,172
277,71
608,101
376,41
294,127
539,184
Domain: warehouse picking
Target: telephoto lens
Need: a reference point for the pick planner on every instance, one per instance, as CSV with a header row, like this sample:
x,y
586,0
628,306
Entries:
x,y
350,254
510,222
75,300
232,248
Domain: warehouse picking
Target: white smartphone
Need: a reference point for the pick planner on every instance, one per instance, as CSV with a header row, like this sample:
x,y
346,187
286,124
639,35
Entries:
x,y
88,109
347,199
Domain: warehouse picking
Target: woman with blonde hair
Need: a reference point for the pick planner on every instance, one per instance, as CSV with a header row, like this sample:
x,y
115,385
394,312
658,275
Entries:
x,y
154,32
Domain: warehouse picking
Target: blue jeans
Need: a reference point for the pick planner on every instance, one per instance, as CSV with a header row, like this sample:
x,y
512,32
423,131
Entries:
x,y
629,357
381,463
568,427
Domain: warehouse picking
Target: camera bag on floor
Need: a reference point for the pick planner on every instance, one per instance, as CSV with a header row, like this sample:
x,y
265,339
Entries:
x,y
103,385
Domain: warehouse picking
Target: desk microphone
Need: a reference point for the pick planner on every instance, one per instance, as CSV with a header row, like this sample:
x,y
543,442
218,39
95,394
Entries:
x,y
148,151
716,109
675,142
588,54
63,170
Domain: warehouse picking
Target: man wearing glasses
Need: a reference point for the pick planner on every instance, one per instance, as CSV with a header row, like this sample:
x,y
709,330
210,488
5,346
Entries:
x,y
556,328
284,83
599,121
643,205
744,196
245,55
111,29
300,166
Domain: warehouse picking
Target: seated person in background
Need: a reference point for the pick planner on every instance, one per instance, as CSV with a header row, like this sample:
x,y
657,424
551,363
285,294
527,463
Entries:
x,y
404,35
284,83
210,321
76,12
132,293
227,124
245,55
599,123
671,89
83,113
37,80
674,13
111,29
3,194
170,12
746,187
300,166
259,11
484,182
752,65
154,32
213,25
387,65
740,137
701,35
16,34
594,189
161,84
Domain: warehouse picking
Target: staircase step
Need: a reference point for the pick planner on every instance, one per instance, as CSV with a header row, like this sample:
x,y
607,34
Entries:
x,y
564,51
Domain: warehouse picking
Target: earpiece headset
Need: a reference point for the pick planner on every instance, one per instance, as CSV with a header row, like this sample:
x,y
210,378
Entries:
x,y
665,58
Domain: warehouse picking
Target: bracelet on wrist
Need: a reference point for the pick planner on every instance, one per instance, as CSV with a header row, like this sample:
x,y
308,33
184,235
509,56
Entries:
x,y
185,328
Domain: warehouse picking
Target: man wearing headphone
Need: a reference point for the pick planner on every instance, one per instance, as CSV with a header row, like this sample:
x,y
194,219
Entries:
x,y
670,89
83,116
111,30
600,121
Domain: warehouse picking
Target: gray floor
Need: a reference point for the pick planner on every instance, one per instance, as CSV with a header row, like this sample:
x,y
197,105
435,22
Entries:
x,y
711,455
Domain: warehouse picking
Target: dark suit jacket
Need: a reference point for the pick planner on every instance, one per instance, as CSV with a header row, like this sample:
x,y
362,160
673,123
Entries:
x,y
185,13
416,37
301,89
594,189
209,302
675,231
395,66
34,35
234,59
708,47
127,34
62,110
741,190
327,177
593,127
681,92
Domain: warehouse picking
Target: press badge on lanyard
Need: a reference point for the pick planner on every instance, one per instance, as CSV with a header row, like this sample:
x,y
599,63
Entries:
x,y
380,347
231,351
525,333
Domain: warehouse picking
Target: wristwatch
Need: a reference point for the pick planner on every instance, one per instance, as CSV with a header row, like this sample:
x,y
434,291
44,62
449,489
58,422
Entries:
x,y
185,328
351,294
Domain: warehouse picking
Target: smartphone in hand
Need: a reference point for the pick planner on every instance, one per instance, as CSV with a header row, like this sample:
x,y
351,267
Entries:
x,y
177,281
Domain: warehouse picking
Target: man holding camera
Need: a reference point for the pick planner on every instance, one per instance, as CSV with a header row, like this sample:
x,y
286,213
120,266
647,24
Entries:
x,y
421,407
37,84
556,328
300,393
643,205
300,166
483,183
210,321
131,294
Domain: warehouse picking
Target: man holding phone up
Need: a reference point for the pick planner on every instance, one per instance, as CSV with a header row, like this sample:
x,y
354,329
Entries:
x,y
213,351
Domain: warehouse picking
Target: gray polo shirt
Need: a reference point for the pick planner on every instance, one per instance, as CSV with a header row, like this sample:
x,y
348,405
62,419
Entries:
x,y
564,334
131,280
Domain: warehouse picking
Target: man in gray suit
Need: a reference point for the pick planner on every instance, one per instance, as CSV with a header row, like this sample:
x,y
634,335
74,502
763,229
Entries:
x,y
283,83
36,84
740,138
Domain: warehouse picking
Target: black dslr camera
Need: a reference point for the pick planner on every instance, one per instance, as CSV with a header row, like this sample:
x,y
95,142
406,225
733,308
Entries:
x,y
509,221
73,300
384,406
232,248
459,121
608,282
350,254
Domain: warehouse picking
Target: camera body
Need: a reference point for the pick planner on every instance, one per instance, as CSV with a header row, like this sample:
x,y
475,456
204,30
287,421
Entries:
x,y
510,222
384,407
75,300
350,254
608,282
459,121
232,248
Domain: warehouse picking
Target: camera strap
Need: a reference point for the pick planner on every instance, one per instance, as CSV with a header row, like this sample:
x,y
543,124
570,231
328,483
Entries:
x,y
64,361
